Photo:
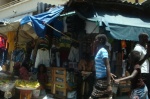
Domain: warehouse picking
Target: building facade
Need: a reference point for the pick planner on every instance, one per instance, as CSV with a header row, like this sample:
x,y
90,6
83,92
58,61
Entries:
x,y
14,8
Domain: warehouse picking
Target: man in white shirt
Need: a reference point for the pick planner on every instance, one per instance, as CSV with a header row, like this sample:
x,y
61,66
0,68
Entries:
x,y
144,50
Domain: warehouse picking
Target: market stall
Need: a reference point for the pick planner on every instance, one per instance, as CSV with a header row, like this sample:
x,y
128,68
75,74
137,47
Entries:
x,y
26,88
60,55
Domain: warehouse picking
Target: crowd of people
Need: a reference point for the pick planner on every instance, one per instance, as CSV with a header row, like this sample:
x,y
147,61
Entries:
x,y
139,69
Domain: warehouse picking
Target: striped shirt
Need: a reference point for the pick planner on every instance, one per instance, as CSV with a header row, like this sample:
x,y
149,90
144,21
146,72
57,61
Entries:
x,y
99,63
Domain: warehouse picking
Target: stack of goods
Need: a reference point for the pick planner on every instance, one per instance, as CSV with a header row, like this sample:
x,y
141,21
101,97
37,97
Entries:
x,y
26,87
27,84
6,82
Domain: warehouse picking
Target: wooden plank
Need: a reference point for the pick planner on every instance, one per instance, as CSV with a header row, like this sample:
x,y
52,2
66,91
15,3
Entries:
x,y
60,83
60,76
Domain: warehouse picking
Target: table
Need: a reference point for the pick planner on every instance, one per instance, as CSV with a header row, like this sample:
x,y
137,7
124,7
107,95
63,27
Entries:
x,y
25,92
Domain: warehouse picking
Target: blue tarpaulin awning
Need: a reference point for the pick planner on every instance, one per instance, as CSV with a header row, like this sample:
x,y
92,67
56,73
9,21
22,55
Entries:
x,y
38,21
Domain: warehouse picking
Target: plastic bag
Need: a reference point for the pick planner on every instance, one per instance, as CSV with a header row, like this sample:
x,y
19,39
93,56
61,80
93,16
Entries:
x,y
7,87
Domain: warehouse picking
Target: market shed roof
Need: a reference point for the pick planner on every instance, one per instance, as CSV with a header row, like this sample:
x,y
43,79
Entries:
x,y
121,6
123,20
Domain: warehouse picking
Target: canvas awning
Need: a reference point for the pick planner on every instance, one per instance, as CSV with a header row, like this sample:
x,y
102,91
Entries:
x,y
12,24
126,28
121,27
123,20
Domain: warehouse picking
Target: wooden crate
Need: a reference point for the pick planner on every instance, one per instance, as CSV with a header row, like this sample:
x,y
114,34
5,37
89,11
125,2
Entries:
x,y
124,86
60,81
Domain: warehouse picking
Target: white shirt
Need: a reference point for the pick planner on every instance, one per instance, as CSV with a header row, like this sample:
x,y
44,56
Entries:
x,y
143,51
74,54
42,57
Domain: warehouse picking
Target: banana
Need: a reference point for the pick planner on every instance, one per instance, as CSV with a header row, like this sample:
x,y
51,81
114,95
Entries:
x,y
27,84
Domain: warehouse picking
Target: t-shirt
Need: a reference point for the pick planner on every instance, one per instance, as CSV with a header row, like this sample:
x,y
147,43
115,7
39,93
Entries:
x,y
99,63
142,51
42,78
24,74
137,81
42,57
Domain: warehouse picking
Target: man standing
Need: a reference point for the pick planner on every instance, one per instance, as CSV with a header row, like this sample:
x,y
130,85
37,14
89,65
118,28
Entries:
x,y
144,50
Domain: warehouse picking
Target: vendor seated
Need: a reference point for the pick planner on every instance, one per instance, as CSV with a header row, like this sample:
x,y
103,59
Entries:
x,y
42,75
24,74
86,67
82,65
87,75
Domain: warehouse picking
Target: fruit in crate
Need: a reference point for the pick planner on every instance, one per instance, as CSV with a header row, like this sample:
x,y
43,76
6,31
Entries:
x,y
27,84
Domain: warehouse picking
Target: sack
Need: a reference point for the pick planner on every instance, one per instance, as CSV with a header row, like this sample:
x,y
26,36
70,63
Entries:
x,y
36,93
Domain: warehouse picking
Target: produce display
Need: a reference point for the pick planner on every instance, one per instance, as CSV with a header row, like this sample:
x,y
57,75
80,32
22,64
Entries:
x,y
27,84
6,83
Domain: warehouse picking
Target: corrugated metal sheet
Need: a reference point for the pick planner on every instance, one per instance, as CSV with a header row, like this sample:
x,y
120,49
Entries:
x,y
122,6
130,2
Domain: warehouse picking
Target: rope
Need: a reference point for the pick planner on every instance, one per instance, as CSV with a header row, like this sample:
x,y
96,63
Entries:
x,y
94,29
60,32
17,33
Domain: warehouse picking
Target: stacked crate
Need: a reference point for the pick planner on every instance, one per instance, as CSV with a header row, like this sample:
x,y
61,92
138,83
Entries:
x,y
124,87
59,75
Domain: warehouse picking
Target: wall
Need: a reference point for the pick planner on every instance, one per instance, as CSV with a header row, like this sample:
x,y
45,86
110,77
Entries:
x,y
56,2
133,1
90,26
24,7
4,2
